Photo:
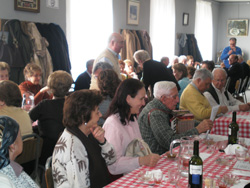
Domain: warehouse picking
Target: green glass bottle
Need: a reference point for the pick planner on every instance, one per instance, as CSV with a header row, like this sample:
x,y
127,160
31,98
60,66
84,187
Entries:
x,y
195,170
233,131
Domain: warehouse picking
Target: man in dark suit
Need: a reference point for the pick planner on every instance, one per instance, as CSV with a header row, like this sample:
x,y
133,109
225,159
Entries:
x,y
235,72
83,80
153,71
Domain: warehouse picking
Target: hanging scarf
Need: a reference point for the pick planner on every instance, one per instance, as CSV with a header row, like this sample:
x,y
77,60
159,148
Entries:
x,y
98,172
8,133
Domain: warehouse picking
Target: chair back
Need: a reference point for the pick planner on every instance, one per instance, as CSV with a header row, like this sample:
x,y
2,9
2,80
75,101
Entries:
x,y
32,146
227,83
48,173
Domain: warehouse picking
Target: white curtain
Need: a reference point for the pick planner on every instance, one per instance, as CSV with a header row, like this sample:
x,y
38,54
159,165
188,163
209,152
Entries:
x,y
204,28
89,24
162,28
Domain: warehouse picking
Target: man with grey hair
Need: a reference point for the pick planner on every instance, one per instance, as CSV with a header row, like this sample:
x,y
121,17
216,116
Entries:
x,y
154,120
83,80
109,55
217,95
192,98
153,71
165,61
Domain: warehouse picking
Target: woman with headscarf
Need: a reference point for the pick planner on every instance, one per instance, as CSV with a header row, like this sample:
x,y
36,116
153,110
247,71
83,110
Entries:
x,y
11,145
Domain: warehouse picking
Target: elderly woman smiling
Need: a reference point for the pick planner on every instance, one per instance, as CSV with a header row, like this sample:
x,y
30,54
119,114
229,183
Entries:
x,y
32,73
11,145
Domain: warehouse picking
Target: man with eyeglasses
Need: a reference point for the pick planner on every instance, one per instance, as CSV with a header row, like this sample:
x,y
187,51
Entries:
x,y
154,120
192,97
217,95
231,49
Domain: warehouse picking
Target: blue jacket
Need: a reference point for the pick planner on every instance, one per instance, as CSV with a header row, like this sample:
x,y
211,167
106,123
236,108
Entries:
x,y
224,56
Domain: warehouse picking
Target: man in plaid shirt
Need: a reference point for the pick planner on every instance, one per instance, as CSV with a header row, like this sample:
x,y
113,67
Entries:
x,y
154,120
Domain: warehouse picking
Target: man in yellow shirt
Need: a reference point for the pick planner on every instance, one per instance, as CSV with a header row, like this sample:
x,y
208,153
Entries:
x,y
192,98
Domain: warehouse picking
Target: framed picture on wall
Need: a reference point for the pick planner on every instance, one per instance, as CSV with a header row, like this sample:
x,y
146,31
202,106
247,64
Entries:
x,y
237,28
27,5
185,19
133,12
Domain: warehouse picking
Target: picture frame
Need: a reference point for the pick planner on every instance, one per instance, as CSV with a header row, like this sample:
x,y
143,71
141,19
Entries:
x,y
237,28
133,12
185,19
27,5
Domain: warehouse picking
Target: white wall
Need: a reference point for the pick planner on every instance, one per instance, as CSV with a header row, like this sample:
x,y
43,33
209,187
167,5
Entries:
x,y
120,15
46,15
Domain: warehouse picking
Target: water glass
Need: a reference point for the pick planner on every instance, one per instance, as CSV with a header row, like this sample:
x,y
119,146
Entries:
x,y
240,154
173,176
158,177
28,101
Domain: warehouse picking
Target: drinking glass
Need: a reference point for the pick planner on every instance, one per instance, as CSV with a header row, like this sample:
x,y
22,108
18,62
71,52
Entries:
x,y
240,154
28,101
158,177
173,176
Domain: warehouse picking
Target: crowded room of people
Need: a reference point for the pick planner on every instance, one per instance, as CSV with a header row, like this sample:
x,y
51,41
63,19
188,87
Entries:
x,y
138,93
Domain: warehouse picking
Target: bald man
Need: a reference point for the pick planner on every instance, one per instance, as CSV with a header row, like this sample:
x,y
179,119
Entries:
x,y
109,55
216,94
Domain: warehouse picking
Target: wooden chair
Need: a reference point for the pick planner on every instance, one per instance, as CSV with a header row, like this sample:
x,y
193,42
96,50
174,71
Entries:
x,y
48,173
32,145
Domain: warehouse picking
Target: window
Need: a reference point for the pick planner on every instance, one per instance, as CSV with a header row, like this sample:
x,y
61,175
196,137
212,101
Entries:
x,y
162,28
89,24
204,28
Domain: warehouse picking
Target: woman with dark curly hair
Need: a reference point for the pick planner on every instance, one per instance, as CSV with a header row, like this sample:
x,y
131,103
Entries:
x,y
108,82
49,113
82,153
121,126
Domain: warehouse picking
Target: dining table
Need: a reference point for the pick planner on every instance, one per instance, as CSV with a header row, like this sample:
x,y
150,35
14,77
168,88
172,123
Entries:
x,y
220,124
212,168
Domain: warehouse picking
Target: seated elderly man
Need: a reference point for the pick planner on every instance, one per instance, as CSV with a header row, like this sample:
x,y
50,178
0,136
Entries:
x,y
154,120
192,98
216,94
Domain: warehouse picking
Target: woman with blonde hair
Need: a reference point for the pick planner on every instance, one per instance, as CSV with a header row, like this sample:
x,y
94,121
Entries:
x,y
32,73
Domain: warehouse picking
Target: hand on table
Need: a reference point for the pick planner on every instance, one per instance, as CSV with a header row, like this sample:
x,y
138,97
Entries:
x,y
149,160
205,125
223,109
98,133
244,107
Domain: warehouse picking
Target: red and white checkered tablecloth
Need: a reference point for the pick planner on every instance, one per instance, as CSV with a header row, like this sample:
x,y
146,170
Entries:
x,y
221,124
210,169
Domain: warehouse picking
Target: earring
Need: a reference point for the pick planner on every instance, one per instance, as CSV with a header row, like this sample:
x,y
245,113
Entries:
x,y
85,123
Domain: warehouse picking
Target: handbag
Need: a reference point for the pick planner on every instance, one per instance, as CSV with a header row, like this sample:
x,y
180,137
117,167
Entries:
x,y
10,53
137,148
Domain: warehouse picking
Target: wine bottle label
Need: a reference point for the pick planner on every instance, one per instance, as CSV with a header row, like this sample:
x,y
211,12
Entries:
x,y
196,169
229,131
196,179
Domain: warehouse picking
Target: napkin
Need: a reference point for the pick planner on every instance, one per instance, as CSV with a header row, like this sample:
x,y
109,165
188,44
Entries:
x,y
230,149
241,173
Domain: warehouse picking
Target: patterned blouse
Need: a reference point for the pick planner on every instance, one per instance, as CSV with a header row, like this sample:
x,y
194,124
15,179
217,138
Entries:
x,y
70,164
17,176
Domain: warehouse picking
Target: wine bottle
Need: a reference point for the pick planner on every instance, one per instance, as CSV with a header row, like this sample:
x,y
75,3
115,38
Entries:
x,y
195,170
233,131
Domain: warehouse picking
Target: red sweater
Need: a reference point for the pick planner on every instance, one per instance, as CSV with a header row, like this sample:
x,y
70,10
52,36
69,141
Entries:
x,y
35,89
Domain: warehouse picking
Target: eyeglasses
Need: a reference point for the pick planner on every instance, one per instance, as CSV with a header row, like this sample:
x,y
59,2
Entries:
x,y
171,96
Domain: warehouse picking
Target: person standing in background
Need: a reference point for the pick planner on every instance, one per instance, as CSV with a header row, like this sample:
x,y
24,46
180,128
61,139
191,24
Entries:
x,y
231,49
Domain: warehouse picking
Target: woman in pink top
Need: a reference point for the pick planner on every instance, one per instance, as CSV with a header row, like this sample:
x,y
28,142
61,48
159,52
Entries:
x,y
121,126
